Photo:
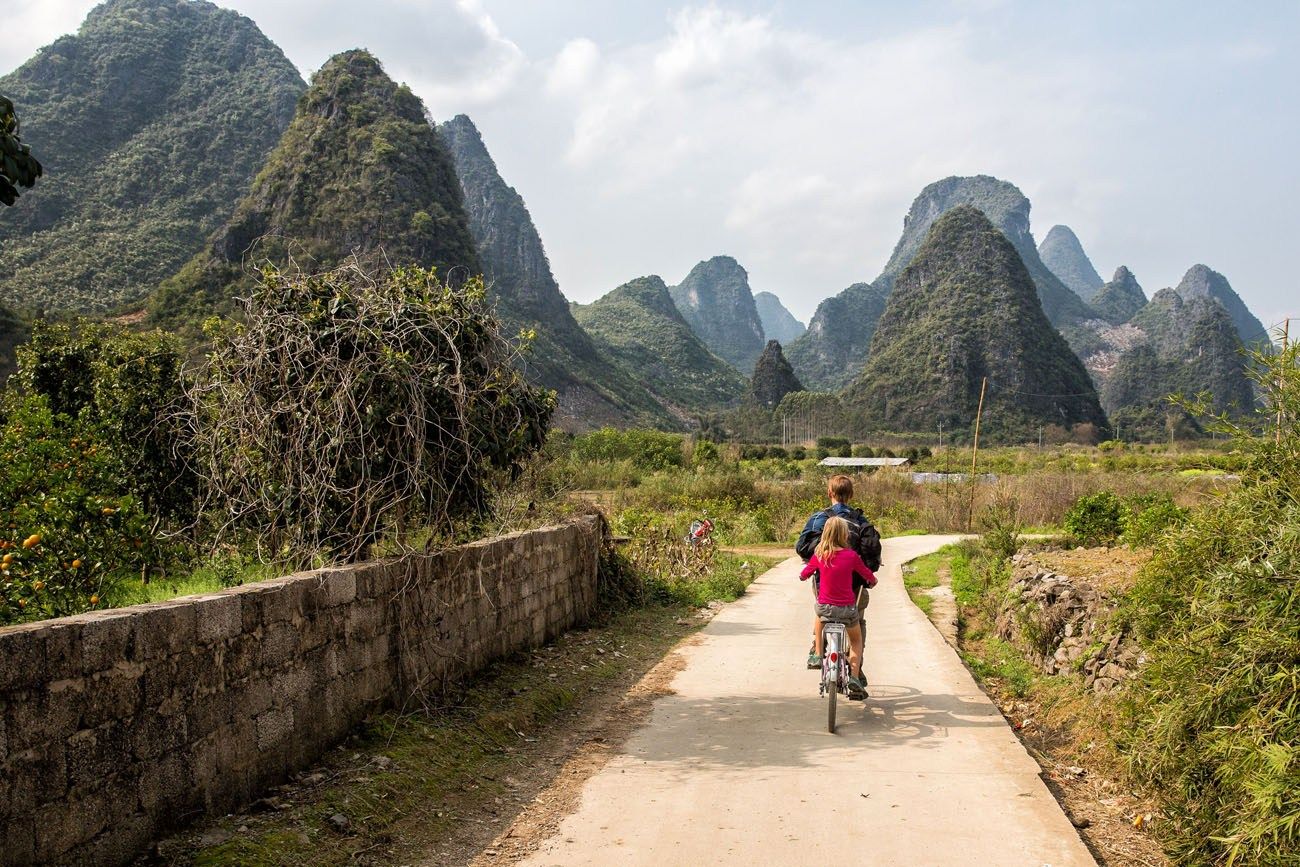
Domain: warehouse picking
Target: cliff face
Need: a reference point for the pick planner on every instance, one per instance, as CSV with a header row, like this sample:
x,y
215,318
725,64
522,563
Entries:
x,y
715,299
963,309
834,349
778,323
359,172
1063,255
640,327
1008,209
773,377
592,389
150,121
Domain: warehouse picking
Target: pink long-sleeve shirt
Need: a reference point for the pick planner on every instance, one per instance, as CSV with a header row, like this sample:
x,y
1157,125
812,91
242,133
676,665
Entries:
x,y
835,581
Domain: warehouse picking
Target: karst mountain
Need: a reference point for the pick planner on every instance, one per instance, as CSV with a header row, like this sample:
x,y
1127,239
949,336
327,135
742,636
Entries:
x,y
1201,281
592,389
359,172
1118,300
1063,255
716,301
639,326
964,308
773,377
151,121
778,322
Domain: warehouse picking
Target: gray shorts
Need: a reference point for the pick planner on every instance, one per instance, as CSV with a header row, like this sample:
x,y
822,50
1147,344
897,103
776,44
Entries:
x,y
846,614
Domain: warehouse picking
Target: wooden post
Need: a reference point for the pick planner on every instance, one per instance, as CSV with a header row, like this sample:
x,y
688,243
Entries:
x,y
974,454
1286,334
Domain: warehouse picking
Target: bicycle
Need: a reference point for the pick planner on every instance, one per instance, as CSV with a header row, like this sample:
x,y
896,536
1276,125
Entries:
x,y
835,668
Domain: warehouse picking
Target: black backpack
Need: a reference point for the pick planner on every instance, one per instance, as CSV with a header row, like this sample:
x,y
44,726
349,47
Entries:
x,y
863,538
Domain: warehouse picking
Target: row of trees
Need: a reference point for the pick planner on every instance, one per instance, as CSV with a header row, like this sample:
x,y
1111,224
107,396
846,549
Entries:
x,y
339,409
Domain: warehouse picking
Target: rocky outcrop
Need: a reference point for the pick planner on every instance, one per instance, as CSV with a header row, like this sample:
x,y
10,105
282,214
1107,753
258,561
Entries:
x,y
1063,255
1118,300
773,377
778,323
716,301
1064,626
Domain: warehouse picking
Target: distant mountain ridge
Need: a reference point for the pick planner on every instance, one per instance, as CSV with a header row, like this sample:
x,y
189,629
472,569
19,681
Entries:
x,y
151,121
715,299
592,389
965,307
359,172
640,326
1063,255
778,322
1201,281
833,350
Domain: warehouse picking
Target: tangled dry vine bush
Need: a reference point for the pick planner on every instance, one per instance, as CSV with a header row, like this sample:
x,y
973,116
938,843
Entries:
x,y
344,406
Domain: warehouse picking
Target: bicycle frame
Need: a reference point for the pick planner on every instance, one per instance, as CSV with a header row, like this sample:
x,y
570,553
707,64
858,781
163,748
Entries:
x,y
834,662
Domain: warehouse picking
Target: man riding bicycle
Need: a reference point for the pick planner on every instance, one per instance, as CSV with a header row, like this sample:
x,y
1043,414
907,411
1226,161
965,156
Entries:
x,y
863,539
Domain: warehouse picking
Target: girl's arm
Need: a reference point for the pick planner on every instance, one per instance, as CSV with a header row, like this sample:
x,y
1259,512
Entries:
x,y
809,568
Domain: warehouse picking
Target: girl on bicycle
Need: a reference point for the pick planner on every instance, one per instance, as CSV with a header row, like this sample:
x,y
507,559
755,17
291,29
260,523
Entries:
x,y
836,564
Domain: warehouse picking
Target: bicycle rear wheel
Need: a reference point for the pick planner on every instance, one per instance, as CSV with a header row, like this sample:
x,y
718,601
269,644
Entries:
x,y
830,706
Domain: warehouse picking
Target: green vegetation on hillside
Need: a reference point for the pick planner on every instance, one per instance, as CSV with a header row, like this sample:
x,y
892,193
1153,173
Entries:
x,y
639,326
832,352
964,309
359,172
1118,300
716,301
773,378
151,120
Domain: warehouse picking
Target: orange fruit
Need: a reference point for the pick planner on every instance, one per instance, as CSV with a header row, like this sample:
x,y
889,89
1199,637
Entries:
x,y
38,585
107,511
32,541
94,599
76,564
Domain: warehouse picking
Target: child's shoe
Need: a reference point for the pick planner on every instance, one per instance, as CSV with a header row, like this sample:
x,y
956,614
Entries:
x,y
814,661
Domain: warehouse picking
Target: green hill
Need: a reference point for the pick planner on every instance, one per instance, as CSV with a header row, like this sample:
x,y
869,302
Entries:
x,y
150,121
964,308
716,301
359,171
833,350
639,326
592,389
1203,282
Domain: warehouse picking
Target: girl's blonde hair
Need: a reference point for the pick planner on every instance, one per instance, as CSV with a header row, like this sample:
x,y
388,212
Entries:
x,y
835,537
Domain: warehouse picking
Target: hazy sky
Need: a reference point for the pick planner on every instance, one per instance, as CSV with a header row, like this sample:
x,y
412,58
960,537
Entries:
x,y
646,136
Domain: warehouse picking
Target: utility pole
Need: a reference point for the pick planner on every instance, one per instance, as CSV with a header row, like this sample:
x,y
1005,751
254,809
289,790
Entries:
x,y
1040,437
940,436
974,454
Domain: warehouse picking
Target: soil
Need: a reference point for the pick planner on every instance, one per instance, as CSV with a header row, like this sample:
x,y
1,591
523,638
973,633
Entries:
x,y
1112,570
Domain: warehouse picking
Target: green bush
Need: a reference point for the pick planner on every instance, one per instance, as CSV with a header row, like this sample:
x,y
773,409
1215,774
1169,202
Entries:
x,y
777,452
1147,516
1214,721
1095,519
646,449
863,451
705,453
73,534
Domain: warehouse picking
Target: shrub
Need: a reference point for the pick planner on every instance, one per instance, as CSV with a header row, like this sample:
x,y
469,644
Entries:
x,y
1214,722
705,453
1147,516
1095,519
863,451
71,531
345,406
798,453
777,452
832,443
647,449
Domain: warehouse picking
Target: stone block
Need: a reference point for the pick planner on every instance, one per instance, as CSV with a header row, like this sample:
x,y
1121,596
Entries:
x,y
93,755
18,841
64,659
164,628
61,827
153,734
22,656
339,585
126,835
207,714
278,645
44,714
218,617
273,728
112,695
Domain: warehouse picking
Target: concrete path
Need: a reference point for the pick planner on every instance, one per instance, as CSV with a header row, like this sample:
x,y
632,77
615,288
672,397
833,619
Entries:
x,y
737,767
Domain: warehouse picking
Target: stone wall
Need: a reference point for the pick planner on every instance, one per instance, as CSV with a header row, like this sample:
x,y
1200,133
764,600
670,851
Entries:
x,y
1063,625
119,725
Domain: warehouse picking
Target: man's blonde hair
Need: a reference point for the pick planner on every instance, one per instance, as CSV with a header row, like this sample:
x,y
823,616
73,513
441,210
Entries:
x,y
840,488
835,538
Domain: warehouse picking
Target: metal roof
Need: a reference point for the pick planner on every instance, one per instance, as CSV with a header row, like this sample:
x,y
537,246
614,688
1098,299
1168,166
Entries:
x,y
864,462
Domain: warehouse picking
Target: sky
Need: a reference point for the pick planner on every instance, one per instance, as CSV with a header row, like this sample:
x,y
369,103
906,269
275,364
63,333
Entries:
x,y
793,134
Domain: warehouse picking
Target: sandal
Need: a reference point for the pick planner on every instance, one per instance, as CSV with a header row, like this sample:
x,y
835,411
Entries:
x,y
814,661
857,690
